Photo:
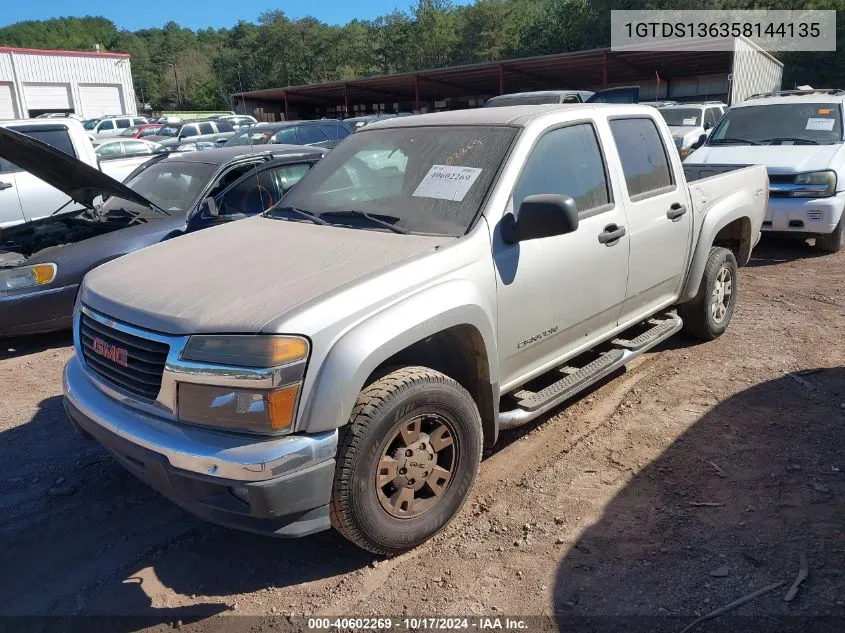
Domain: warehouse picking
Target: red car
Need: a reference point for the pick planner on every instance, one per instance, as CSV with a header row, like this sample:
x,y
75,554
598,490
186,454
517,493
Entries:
x,y
140,131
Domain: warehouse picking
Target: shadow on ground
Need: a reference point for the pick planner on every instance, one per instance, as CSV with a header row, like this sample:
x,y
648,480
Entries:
x,y
727,509
12,347
89,538
778,249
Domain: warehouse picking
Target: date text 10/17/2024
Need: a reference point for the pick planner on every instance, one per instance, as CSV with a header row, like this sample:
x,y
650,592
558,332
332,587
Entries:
x,y
417,624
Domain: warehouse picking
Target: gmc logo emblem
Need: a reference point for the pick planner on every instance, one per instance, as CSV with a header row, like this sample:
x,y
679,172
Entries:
x,y
114,353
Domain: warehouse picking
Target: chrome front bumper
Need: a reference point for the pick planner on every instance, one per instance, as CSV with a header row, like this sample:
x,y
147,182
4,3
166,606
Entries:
x,y
229,456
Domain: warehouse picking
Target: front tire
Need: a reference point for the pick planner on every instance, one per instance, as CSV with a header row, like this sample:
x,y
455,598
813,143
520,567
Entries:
x,y
709,313
833,242
407,460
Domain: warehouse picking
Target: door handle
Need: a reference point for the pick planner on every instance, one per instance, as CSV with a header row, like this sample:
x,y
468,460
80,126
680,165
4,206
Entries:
x,y
676,211
611,235
5,185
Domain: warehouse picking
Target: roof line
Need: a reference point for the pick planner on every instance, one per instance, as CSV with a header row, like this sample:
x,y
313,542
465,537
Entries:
x,y
46,51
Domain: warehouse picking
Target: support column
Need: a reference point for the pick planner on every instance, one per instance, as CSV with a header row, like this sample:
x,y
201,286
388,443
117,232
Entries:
x,y
416,93
604,70
345,100
287,113
501,79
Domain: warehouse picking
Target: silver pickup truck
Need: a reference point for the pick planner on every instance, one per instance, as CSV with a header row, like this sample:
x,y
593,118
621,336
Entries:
x,y
343,359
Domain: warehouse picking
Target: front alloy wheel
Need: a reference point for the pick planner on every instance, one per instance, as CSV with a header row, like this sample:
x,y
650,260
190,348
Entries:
x,y
407,460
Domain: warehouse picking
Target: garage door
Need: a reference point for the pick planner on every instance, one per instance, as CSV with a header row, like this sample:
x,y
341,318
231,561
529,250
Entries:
x,y
100,100
47,97
8,107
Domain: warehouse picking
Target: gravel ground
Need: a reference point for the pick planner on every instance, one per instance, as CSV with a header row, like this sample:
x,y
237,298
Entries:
x,y
703,473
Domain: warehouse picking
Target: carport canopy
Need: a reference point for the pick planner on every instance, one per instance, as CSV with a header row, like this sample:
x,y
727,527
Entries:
x,y
592,69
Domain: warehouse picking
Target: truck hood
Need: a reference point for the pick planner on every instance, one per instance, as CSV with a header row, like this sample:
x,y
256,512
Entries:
x,y
777,159
69,175
238,277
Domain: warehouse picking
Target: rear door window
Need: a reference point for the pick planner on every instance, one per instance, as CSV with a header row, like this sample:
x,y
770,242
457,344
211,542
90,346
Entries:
x,y
286,136
311,134
206,128
645,162
188,131
224,126
123,124
106,125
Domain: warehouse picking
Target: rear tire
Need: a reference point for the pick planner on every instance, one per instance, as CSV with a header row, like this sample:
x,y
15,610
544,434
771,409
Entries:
x,y
709,313
407,460
833,242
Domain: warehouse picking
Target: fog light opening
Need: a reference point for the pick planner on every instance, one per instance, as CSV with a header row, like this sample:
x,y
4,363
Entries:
x,y
241,493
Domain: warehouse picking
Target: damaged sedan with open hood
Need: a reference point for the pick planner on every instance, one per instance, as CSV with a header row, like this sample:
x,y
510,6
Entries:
x,y
42,262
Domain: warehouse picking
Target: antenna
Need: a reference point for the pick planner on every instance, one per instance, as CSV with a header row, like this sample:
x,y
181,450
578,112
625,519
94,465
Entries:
x,y
251,147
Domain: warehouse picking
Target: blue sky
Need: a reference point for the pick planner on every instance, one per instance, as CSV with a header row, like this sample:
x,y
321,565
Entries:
x,y
196,14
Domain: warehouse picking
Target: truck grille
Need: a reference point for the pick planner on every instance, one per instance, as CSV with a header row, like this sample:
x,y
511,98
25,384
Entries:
x,y
130,362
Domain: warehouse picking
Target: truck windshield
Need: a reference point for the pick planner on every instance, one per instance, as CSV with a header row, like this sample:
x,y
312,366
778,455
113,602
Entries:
x,y
781,123
681,117
429,180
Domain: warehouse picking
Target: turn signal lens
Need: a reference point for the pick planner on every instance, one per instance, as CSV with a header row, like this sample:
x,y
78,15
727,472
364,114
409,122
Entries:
x,y
282,404
44,273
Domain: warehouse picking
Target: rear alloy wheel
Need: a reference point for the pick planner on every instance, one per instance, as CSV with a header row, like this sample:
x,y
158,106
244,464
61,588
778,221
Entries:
x,y
407,460
709,313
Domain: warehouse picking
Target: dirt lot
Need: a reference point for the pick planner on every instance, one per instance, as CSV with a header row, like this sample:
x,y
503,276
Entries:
x,y
700,475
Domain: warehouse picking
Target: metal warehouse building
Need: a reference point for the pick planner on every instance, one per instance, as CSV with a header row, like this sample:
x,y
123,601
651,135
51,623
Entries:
x,y
88,84
676,72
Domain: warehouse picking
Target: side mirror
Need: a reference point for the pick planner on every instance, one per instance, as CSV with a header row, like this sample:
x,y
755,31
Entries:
x,y
209,208
541,215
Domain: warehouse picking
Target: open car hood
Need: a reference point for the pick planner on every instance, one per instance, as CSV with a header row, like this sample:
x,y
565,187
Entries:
x,y
69,175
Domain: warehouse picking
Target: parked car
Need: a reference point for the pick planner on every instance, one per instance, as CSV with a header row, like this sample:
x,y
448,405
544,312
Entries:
x,y
168,119
141,131
238,121
23,195
688,121
179,136
357,122
798,136
59,115
343,359
324,133
542,97
119,157
111,126
42,262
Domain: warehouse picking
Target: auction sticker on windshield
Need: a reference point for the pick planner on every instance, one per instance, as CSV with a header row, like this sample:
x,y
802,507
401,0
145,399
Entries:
x,y
690,121
447,182
825,125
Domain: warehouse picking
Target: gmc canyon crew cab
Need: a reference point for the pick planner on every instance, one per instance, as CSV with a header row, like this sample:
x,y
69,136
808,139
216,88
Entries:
x,y
798,136
342,359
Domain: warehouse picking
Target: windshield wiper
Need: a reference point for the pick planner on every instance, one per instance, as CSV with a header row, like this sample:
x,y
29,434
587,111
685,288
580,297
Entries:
x,y
780,139
302,212
375,220
720,141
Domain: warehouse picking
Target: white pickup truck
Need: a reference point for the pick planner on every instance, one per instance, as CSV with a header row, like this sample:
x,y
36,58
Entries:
x,y
24,197
433,280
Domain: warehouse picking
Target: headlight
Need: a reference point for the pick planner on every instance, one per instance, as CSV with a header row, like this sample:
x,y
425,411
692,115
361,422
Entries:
x,y
254,410
246,350
27,276
814,184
